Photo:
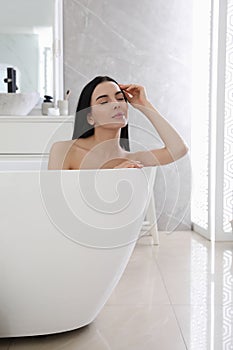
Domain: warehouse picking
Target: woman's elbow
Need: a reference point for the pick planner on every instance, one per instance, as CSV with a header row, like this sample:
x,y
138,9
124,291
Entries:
x,y
182,152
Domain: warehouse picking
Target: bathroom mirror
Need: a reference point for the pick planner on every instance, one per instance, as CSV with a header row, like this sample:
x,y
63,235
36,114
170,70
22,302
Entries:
x,y
31,42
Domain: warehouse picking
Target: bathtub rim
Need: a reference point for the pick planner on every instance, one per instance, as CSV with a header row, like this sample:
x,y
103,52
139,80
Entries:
x,y
72,170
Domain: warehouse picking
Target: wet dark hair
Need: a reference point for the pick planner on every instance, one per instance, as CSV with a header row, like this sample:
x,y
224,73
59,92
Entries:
x,y
82,129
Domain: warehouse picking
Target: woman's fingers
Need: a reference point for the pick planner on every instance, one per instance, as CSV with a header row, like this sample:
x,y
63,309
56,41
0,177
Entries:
x,y
124,86
135,94
131,88
130,164
128,95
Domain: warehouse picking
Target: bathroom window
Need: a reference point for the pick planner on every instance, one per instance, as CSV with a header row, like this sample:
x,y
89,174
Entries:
x,y
200,114
212,119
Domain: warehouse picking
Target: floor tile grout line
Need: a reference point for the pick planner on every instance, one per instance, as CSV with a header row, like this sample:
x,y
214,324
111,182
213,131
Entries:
x,y
171,304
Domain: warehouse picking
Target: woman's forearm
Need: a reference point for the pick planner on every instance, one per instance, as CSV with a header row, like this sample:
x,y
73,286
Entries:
x,y
174,144
170,137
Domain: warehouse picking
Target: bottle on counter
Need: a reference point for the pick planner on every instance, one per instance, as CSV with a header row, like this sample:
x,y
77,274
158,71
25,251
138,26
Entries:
x,y
47,103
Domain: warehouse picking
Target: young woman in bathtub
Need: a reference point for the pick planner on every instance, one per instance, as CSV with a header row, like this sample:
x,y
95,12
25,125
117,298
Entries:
x,y
100,137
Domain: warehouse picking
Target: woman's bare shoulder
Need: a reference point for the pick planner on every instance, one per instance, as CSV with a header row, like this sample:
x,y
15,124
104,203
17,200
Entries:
x,y
69,145
83,144
58,156
62,145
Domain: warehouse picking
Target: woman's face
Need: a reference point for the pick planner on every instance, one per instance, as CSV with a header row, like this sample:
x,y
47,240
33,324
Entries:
x,y
108,106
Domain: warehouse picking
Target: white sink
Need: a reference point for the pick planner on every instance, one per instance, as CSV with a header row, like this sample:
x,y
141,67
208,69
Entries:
x,y
18,103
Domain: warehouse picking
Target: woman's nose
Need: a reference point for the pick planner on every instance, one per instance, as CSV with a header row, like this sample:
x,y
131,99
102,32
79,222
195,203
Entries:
x,y
116,104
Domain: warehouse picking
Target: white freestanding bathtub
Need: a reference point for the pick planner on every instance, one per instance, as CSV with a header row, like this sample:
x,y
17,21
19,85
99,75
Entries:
x,y
65,240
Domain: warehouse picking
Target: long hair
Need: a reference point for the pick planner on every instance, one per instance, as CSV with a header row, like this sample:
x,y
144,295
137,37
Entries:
x,y
82,129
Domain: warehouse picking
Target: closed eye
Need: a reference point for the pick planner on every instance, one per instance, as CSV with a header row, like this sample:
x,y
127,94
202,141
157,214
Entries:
x,y
119,99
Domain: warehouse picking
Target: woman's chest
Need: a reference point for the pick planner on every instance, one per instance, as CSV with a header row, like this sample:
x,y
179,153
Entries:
x,y
96,160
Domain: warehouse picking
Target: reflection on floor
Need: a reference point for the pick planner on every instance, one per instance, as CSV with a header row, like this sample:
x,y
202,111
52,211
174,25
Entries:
x,y
178,295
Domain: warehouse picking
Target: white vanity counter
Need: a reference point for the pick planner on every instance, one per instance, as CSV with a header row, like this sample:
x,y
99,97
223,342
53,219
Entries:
x,y
37,118
33,134
25,142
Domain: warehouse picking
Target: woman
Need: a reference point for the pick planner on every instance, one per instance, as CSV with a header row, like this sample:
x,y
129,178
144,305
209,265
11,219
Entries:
x,y
100,137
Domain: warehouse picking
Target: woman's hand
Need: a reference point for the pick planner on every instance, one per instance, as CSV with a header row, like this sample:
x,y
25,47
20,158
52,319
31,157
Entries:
x,y
130,164
135,94
121,163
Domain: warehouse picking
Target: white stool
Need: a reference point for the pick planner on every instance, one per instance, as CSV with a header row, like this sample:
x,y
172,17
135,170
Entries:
x,y
150,222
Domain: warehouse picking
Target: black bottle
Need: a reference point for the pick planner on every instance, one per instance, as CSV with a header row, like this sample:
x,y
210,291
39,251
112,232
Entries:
x,y
47,103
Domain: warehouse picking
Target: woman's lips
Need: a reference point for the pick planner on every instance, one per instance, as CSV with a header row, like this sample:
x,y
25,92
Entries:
x,y
118,115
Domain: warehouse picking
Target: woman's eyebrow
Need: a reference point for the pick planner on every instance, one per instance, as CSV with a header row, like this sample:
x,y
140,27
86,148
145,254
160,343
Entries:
x,y
101,96
118,92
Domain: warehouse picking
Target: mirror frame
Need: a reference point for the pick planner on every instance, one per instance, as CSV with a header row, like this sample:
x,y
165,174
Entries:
x,y
58,80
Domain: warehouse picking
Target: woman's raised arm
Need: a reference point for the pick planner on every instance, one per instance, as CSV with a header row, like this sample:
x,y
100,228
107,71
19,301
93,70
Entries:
x,y
174,146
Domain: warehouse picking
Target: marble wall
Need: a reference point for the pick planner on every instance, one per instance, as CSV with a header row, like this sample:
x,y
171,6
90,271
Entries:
x,y
149,43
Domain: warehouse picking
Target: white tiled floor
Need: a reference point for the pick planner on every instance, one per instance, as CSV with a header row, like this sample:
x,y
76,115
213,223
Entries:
x,y
178,295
